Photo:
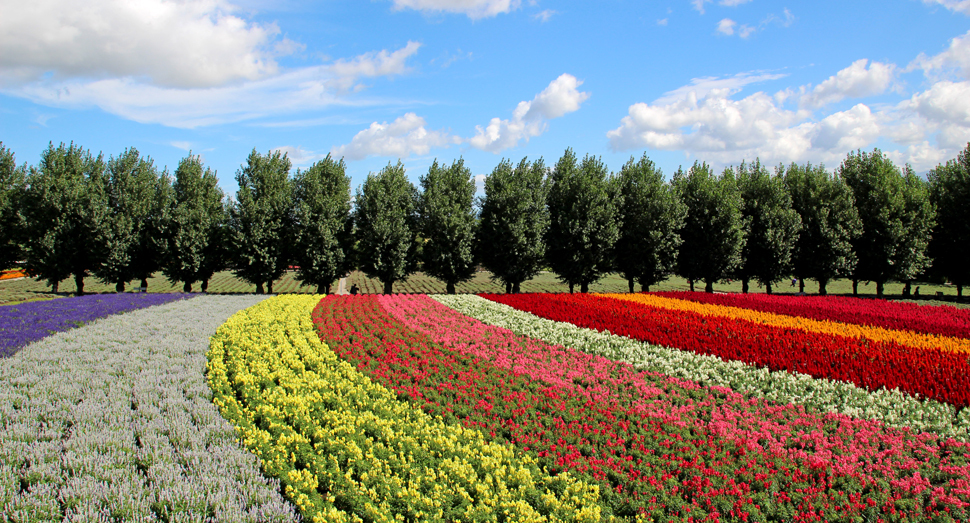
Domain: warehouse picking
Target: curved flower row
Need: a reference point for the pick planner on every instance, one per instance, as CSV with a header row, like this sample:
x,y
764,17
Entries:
x,y
346,449
943,320
665,447
916,340
114,421
891,407
939,375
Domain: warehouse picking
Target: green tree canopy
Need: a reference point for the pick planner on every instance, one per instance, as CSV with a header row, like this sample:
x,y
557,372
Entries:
x,y
195,233
130,235
64,206
12,180
950,246
891,207
324,229
583,224
386,220
651,216
261,220
513,222
771,227
830,223
919,219
448,223
713,231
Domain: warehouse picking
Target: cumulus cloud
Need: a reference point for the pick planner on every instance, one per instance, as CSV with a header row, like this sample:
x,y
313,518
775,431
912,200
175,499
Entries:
x,y
560,97
299,156
185,44
699,4
474,9
953,5
855,81
955,58
369,65
401,138
726,26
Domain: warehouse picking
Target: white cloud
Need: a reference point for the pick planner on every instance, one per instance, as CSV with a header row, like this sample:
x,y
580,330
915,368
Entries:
x,y
957,57
401,138
726,26
701,86
184,44
662,21
560,97
544,15
185,146
474,9
699,4
855,81
369,65
299,156
953,5
846,130
732,3
480,183
299,90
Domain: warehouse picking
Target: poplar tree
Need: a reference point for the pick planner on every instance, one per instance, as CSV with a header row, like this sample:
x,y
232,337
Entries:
x,y
130,235
195,234
64,208
583,225
950,245
713,231
447,223
12,180
324,229
891,208
830,223
261,220
651,216
386,220
513,222
919,219
771,227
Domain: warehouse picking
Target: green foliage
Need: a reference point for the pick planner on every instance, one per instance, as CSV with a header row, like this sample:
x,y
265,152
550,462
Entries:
x,y
830,223
385,215
950,193
651,216
447,223
12,179
195,234
513,221
771,227
582,221
261,219
896,219
130,235
64,207
324,230
713,231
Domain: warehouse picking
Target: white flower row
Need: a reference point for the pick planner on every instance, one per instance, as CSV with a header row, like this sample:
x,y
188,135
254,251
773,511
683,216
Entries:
x,y
889,406
115,421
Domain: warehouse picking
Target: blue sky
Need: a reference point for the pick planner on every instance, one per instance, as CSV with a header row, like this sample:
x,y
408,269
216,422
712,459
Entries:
x,y
372,81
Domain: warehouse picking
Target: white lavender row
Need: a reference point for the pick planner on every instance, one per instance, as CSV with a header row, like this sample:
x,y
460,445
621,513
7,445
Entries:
x,y
114,421
889,406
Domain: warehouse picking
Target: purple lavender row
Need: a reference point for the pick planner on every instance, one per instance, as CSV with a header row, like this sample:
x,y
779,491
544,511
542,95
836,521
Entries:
x,y
26,323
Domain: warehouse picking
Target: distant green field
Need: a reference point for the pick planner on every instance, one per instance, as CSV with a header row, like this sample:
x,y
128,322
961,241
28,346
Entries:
x,y
16,291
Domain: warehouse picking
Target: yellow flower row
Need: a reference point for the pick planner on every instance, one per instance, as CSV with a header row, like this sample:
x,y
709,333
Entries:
x,y
346,449
910,339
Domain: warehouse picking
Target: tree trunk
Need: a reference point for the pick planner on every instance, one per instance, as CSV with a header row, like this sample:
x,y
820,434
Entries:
x,y
907,289
389,287
269,287
187,287
259,288
768,288
584,287
630,281
54,287
205,285
508,287
855,287
709,286
959,291
744,285
801,285
515,288
880,287
570,288
120,286
691,282
144,285
450,287
79,283
821,287
644,288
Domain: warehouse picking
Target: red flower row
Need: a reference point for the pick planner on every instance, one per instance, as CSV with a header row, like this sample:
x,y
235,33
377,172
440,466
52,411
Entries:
x,y
941,375
943,320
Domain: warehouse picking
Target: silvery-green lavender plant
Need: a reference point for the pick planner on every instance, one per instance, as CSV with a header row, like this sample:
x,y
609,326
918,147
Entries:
x,y
892,407
114,421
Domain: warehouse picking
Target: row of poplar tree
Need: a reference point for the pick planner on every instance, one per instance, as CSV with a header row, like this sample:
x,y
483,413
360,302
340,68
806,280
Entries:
x,y
123,220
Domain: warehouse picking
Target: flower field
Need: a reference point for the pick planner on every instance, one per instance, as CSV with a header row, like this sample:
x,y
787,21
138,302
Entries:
x,y
534,407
